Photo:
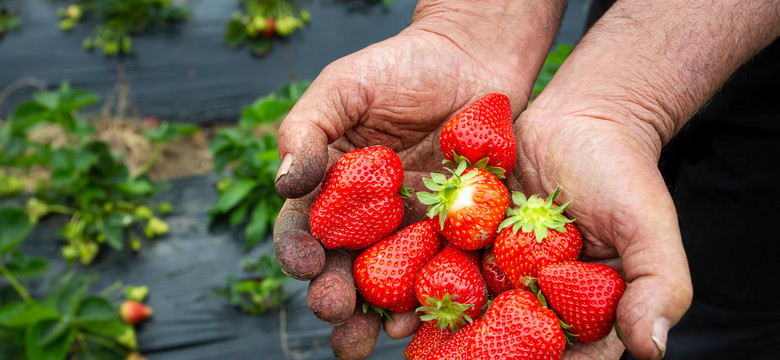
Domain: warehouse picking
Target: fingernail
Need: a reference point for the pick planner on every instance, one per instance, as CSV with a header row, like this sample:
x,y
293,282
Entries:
x,y
285,167
660,330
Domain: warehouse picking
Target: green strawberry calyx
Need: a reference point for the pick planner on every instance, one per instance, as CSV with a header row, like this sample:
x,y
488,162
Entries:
x,y
445,191
383,312
446,312
535,214
498,171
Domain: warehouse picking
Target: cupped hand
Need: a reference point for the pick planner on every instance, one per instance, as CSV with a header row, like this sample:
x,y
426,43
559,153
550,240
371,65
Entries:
x,y
606,160
397,93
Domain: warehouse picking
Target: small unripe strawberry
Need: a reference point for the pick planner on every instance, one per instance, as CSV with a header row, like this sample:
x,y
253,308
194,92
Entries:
x,y
133,312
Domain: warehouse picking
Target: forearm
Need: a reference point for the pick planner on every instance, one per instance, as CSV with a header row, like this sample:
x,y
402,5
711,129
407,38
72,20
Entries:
x,y
509,37
658,62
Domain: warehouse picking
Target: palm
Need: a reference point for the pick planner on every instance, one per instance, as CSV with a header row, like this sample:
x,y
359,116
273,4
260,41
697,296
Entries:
x,y
399,93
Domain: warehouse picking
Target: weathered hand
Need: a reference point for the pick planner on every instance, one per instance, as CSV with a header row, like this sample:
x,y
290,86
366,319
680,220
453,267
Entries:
x,y
608,166
397,93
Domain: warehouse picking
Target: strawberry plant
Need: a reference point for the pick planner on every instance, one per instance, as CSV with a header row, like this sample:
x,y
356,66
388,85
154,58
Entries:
x,y
260,21
260,290
84,180
9,21
247,162
119,20
69,322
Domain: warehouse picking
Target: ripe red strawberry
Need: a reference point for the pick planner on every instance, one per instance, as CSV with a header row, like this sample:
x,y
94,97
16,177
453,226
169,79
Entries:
x,y
585,296
459,345
359,202
482,130
385,272
469,205
535,233
496,280
516,326
133,312
451,288
427,338
269,31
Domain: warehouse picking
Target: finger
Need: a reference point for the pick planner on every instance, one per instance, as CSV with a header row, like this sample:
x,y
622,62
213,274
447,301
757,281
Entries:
x,y
356,338
659,286
331,295
609,348
319,118
401,325
300,255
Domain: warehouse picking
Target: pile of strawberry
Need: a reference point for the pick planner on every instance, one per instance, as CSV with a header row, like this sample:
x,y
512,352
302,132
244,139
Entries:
x,y
475,246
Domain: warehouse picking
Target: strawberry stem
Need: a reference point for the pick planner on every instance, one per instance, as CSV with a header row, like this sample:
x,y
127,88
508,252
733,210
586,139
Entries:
x,y
447,313
535,214
444,191
499,172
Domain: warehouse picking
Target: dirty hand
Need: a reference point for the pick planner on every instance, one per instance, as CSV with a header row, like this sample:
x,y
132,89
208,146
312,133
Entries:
x,y
397,93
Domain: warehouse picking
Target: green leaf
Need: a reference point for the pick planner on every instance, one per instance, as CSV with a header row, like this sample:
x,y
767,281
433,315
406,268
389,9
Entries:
x,y
60,159
98,316
22,315
95,308
233,195
113,229
260,46
27,315
168,132
136,187
52,332
263,111
83,161
27,266
235,35
258,224
57,350
49,100
70,292
239,214
293,91
15,227
25,116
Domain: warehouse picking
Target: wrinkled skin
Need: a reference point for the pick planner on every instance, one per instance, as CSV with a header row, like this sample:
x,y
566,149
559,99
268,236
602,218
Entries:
x,y
400,92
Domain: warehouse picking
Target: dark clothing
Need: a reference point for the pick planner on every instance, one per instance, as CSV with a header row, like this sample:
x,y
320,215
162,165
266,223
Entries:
x,y
723,170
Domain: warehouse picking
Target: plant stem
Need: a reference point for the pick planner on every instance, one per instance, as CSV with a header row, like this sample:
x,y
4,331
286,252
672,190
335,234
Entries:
x,y
158,147
62,209
16,285
111,289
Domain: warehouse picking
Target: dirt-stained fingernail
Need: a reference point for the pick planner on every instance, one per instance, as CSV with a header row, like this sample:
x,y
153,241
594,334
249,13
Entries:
x,y
284,168
660,331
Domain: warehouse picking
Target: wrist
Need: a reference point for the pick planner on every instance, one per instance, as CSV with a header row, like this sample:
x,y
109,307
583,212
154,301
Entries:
x,y
509,37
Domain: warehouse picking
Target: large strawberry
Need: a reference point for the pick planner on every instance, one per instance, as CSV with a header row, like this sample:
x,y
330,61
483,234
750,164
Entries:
x,y
584,295
516,326
482,130
535,233
360,201
451,288
425,340
458,346
469,205
496,280
385,272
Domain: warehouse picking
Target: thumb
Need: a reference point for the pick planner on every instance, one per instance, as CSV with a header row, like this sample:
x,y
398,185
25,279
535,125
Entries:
x,y
318,119
659,286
